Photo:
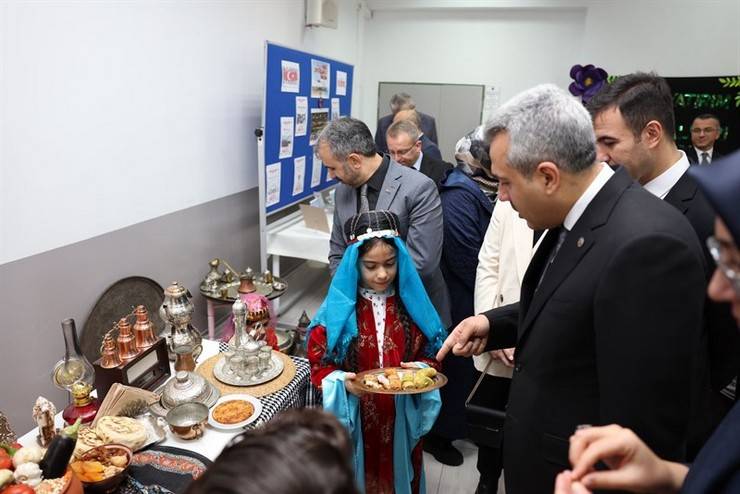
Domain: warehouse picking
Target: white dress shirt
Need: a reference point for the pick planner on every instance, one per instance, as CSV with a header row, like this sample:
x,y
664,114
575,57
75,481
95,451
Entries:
x,y
588,195
661,185
378,299
699,153
417,165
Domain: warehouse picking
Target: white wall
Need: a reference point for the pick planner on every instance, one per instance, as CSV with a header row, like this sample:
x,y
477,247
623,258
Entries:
x,y
112,113
514,49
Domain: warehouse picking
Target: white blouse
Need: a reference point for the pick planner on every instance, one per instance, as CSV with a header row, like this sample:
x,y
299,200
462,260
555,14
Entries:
x,y
378,299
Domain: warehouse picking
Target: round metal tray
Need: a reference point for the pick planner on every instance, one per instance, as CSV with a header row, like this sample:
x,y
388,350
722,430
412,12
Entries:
x,y
276,367
262,288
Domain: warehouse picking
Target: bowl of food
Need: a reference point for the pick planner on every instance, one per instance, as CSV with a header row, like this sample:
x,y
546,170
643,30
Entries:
x,y
234,411
103,468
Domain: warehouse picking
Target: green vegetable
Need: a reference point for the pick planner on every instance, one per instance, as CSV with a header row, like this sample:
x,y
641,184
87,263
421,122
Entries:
x,y
8,448
6,477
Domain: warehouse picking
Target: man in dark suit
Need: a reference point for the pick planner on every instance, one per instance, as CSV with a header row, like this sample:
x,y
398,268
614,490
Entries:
x,y
611,304
404,147
403,101
705,131
634,121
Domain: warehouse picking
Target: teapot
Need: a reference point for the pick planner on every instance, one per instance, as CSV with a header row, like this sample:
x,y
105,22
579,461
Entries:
x,y
177,311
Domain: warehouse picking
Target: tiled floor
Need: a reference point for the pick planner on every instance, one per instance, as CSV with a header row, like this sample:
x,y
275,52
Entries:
x,y
443,479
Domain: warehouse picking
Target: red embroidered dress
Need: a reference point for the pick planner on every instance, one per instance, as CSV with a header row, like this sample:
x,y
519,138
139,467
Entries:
x,y
401,343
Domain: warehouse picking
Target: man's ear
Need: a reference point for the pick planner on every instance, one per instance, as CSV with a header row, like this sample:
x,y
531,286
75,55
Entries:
x,y
652,134
549,174
354,160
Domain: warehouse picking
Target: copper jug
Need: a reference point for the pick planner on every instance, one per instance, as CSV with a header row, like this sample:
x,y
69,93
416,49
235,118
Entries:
x,y
143,329
109,353
126,341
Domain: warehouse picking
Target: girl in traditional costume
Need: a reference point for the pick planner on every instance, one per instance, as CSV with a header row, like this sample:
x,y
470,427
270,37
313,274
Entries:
x,y
377,314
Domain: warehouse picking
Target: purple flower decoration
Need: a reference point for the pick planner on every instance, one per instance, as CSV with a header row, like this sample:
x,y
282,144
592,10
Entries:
x,y
587,81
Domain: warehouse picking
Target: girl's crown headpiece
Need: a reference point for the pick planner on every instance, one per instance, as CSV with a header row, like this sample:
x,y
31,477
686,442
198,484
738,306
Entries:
x,y
372,224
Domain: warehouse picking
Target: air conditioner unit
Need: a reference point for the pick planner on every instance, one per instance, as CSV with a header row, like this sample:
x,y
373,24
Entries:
x,y
322,13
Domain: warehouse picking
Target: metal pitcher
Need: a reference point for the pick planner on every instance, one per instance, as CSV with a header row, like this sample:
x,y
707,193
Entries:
x,y
177,311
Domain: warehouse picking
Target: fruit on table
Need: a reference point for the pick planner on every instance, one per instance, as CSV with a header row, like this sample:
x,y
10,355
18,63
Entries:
x,y
18,489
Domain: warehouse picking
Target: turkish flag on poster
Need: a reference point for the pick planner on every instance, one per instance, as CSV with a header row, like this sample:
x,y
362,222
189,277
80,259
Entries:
x,y
291,79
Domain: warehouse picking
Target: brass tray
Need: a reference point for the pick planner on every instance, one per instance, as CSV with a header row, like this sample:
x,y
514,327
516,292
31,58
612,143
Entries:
x,y
232,292
439,381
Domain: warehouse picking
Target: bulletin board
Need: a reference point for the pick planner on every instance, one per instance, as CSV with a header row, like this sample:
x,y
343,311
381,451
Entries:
x,y
303,92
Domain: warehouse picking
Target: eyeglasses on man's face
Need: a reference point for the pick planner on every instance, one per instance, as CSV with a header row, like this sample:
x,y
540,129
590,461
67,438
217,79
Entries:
x,y
725,255
703,130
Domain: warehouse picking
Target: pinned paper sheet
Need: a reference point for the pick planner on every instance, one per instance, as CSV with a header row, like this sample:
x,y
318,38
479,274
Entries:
x,y
291,78
272,174
315,218
286,137
334,108
320,79
299,174
301,115
316,172
341,83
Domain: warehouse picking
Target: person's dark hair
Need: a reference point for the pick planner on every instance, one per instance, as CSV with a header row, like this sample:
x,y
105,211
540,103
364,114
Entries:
x,y
640,97
372,242
707,116
347,135
303,451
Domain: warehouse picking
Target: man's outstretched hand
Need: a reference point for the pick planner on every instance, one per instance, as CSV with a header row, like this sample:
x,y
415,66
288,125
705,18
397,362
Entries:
x,y
468,338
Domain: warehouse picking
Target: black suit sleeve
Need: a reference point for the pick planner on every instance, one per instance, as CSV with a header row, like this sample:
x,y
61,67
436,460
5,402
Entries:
x,y
503,323
647,323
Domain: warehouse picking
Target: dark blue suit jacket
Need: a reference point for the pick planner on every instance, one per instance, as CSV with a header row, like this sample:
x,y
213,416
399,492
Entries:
x,y
717,467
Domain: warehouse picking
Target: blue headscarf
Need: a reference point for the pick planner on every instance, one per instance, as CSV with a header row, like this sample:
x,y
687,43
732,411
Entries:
x,y
338,315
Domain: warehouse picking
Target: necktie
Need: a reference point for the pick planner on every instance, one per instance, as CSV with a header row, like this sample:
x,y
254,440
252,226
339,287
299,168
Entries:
x,y
364,204
704,159
554,252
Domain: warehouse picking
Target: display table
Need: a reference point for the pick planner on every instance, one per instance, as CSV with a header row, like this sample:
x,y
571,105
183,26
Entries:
x,y
296,394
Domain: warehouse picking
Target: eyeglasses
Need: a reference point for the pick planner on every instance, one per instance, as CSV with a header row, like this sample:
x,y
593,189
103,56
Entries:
x,y
721,253
397,154
706,130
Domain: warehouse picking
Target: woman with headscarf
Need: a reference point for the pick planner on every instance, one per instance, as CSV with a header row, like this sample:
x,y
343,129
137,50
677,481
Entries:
x,y
468,194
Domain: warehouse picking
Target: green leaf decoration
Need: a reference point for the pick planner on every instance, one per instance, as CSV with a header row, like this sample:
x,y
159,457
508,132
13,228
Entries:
x,y
737,99
730,81
611,78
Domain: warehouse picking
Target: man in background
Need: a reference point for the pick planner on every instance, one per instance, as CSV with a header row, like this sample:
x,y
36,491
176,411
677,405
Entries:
x,y
705,131
404,147
634,124
427,145
403,101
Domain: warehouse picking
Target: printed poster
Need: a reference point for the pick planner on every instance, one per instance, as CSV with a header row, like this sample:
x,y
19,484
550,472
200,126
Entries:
x,y
299,173
320,79
334,108
301,115
316,171
341,83
319,119
286,137
291,77
273,184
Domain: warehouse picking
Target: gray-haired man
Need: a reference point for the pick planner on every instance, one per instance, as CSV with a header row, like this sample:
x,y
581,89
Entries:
x,y
611,304
371,181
